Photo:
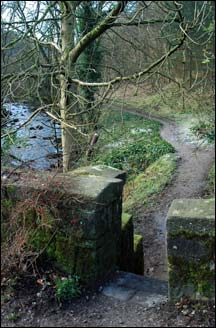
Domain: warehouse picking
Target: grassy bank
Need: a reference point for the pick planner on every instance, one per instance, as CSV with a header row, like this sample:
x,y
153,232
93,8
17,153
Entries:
x,y
129,142
143,189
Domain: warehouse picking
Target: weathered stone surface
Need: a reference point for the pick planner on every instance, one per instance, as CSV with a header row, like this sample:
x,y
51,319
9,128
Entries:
x,y
94,223
102,171
126,259
70,188
138,255
191,249
189,214
118,292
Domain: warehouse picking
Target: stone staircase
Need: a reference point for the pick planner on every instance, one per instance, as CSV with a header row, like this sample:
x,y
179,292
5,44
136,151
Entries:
x,y
130,287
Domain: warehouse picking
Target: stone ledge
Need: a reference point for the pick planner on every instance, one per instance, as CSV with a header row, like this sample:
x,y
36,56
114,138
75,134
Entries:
x,y
100,170
189,214
101,190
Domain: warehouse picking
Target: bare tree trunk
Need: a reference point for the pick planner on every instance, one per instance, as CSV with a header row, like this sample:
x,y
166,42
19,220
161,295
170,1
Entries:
x,y
67,33
191,68
65,135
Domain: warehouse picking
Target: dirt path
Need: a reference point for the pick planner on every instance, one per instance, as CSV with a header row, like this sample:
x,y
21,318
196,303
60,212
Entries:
x,y
97,310
188,182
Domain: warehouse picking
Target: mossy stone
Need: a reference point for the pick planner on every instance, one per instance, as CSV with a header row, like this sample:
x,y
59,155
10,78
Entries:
x,y
138,255
191,249
126,258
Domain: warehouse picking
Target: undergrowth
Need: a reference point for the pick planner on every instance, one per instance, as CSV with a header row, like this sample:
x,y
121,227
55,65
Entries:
x,y
67,288
173,102
129,142
205,130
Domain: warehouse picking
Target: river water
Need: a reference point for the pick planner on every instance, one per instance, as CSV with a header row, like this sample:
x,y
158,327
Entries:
x,y
35,143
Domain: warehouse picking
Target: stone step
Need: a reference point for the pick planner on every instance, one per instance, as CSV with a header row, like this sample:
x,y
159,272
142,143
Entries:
x,y
130,287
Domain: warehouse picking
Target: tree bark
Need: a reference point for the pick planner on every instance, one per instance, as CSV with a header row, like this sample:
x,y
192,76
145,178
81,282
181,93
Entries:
x,y
67,35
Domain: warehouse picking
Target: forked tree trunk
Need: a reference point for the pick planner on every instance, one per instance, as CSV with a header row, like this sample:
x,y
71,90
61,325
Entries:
x,y
69,55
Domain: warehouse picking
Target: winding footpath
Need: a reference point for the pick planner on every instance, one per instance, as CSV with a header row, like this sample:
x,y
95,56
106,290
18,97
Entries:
x,y
130,300
188,182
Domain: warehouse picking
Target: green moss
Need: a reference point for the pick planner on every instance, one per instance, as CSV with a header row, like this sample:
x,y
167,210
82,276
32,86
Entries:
x,y
43,240
126,218
65,253
138,255
188,235
138,240
126,258
196,274
74,256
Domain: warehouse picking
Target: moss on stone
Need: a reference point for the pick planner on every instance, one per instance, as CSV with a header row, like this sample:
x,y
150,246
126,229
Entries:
x,y
65,253
42,240
138,255
126,219
75,221
191,217
184,233
126,258
191,249
193,279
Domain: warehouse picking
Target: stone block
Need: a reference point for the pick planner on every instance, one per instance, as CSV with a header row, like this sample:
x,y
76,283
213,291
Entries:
x,y
126,258
84,211
138,255
102,171
191,249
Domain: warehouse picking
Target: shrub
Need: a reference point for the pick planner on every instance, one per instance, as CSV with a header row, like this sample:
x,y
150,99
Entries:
x,y
67,288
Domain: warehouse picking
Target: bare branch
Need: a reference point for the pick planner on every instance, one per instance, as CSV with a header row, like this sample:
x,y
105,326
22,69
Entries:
x,y
97,31
146,22
136,75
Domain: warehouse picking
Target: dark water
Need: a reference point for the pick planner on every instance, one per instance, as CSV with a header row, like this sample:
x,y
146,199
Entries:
x,y
35,143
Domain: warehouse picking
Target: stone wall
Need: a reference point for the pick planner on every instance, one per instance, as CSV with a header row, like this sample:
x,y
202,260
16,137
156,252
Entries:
x,y
84,209
191,249
131,252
